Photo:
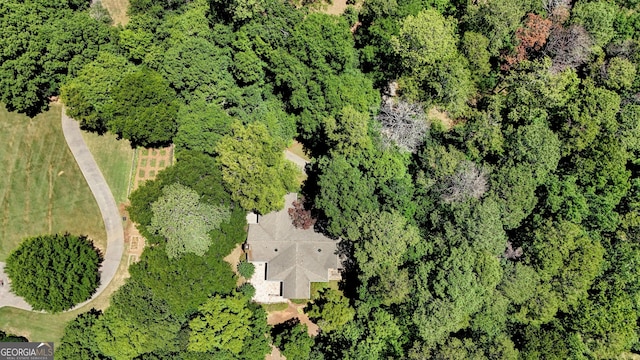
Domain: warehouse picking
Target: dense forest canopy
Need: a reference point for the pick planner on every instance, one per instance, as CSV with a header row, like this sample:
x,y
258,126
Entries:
x,y
478,159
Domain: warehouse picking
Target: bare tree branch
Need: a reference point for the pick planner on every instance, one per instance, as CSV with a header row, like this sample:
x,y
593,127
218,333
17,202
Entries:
x,y
467,182
403,123
568,47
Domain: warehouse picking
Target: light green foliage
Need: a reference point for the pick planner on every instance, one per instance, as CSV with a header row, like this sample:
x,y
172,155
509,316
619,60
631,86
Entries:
x,y
348,133
602,172
497,20
189,23
537,91
324,43
254,169
139,45
519,283
620,74
427,45
136,322
629,126
331,311
87,95
593,111
566,200
474,48
514,189
247,67
79,340
537,146
54,272
143,109
380,336
597,18
184,221
567,261
452,290
294,342
426,39
382,242
197,69
221,323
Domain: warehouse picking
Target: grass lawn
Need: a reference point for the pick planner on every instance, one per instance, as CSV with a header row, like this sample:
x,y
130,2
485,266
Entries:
x,y
297,149
117,10
114,158
42,189
43,327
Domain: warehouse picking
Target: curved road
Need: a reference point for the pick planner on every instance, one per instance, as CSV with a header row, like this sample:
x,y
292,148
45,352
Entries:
x,y
108,209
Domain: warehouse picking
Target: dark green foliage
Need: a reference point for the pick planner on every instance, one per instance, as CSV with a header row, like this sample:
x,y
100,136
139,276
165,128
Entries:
x,y
79,340
247,290
170,279
54,272
42,43
246,269
5,337
144,109
293,340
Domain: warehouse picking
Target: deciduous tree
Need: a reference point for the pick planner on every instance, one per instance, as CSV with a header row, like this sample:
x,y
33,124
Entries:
x,y
184,221
254,169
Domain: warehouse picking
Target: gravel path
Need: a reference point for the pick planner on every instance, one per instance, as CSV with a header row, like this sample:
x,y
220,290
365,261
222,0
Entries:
x,y
108,209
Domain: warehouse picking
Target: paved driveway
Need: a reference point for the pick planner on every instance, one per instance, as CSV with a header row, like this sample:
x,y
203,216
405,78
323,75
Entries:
x,y
108,209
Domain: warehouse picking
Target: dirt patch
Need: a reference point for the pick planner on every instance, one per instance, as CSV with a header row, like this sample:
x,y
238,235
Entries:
x,y
275,354
337,7
293,311
442,116
233,259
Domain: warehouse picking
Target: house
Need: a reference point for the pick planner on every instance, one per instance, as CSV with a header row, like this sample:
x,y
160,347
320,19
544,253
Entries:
x,y
288,259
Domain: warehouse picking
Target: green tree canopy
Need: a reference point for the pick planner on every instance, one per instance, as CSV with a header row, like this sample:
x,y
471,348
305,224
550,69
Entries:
x,y
254,169
54,272
143,109
184,221
221,323
88,93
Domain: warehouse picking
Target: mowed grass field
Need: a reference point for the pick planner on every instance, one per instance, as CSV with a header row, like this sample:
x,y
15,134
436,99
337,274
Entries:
x,y
42,327
114,158
42,189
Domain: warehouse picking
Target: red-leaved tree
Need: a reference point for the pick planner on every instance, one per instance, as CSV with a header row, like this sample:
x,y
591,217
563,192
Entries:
x,y
531,38
301,218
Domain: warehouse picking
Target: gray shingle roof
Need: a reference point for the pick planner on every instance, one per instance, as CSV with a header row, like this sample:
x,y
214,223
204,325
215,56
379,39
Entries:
x,y
294,256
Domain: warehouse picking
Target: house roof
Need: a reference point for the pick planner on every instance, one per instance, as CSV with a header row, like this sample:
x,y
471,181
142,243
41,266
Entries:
x,y
294,256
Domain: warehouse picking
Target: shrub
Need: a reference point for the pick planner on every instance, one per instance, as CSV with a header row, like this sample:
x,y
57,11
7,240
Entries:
x,y
246,269
247,290
54,272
